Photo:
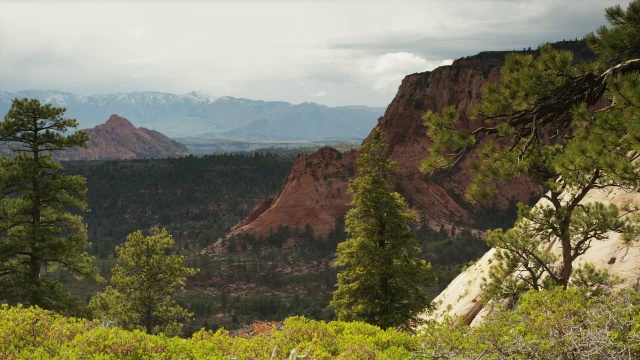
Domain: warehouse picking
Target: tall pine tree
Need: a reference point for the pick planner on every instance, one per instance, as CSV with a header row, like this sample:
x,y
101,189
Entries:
x,y
39,231
381,281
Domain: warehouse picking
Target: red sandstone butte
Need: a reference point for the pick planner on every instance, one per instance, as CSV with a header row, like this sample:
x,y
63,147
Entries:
x,y
119,139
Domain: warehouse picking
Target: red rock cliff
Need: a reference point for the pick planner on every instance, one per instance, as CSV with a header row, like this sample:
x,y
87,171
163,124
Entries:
x,y
315,192
119,139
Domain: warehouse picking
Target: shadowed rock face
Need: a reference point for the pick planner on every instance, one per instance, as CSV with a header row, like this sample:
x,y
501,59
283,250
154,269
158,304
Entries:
x,y
316,191
119,139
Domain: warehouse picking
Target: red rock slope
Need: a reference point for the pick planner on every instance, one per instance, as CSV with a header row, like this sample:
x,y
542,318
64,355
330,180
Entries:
x,y
315,192
119,139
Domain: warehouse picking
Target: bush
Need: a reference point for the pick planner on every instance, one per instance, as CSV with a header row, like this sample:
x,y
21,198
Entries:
x,y
545,325
558,324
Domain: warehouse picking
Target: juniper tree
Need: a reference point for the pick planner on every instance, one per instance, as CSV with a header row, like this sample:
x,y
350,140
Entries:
x,y
143,286
381,281
570,129
40,230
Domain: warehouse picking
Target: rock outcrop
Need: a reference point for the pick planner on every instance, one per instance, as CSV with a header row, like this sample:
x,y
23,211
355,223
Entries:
x,y
315,192
462,297
119,139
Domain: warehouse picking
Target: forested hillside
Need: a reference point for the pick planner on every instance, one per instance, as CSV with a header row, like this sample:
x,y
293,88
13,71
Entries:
x,y
197,199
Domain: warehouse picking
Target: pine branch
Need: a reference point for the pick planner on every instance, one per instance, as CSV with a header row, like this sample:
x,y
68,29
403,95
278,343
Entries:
x,y
552,112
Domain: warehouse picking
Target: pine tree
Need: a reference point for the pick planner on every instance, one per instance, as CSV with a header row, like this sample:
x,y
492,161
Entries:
x,y
541,123
143,286
39,233
381,281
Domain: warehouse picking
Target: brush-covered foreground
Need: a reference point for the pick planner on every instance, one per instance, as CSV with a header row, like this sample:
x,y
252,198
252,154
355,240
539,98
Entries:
x,y
545,325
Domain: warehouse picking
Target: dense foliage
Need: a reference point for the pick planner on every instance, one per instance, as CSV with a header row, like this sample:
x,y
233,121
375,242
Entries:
x,y
546,325
381,278
38,232
552,324
569,128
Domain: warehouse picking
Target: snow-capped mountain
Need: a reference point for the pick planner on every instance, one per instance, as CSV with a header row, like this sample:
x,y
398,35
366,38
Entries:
x,y
197,113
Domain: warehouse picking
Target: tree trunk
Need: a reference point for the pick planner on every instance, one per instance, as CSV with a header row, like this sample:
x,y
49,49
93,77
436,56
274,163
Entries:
x,y
148,320
565,241
567,263
36,214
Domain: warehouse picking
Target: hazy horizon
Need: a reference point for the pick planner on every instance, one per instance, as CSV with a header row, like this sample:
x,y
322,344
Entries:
x,y
185,94
328,52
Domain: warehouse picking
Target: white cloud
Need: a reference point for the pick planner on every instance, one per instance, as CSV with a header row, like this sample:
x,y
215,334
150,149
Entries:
x,y
394,62
386,71
139,33
322,93
142,61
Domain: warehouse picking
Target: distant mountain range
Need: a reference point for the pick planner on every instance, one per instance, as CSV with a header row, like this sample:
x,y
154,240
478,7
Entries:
x,y
198,113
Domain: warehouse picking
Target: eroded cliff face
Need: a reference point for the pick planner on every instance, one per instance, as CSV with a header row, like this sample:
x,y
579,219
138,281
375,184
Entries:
x,y
315,193
119,139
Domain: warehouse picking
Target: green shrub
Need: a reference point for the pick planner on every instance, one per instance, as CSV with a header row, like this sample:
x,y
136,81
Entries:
x,y
545,325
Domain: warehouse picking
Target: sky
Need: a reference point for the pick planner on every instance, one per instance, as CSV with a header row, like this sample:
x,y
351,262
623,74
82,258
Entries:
x,y
333,52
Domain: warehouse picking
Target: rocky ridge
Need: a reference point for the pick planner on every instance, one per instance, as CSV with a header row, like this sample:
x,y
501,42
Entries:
x,y
315,192
117,138
316,186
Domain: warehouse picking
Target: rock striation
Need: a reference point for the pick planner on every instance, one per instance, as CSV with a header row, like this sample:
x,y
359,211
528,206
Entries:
x,y
119,139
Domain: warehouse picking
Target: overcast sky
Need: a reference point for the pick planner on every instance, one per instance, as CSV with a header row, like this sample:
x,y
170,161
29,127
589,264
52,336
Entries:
x,y
334,52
